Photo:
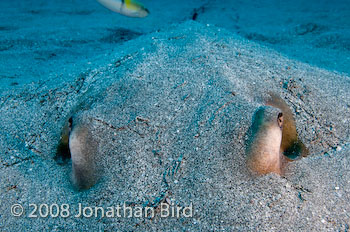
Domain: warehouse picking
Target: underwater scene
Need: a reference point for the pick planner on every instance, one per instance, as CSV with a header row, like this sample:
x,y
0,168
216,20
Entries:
x,y
157,115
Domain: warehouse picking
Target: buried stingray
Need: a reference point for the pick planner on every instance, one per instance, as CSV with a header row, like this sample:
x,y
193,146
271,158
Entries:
x,y
273,142
273,138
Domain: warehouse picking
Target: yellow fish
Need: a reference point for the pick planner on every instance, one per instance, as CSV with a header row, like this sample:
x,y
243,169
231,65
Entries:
x,y
129,8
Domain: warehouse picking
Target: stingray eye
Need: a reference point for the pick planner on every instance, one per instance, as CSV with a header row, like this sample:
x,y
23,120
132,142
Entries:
x,y
70,123
280,119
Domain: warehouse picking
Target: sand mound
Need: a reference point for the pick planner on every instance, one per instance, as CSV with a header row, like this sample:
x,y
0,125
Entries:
x,y
171,114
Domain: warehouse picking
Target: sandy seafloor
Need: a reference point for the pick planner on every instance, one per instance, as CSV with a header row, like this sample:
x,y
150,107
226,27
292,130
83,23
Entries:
x,y
169,102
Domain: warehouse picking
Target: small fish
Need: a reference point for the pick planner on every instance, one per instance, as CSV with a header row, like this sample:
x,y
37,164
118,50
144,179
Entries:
x,y
129,8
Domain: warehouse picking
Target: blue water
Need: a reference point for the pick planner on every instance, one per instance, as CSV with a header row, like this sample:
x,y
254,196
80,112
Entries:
x,y
51,39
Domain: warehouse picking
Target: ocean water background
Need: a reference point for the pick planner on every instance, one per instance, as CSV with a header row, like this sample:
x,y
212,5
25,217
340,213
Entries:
x,y
56,40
